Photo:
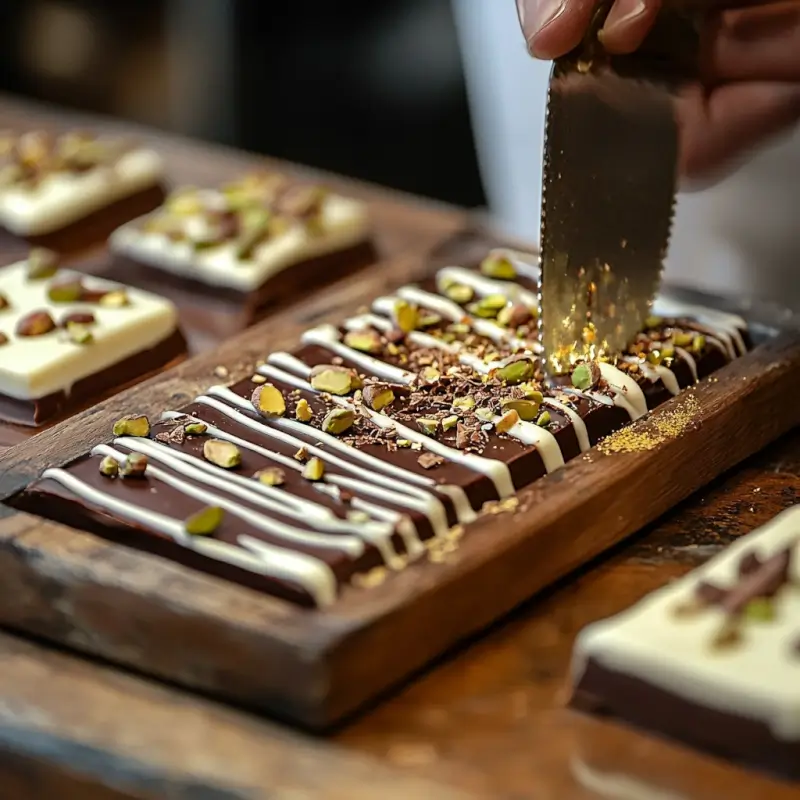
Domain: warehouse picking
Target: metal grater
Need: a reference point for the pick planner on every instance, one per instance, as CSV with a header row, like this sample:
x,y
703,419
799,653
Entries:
x,y
608,195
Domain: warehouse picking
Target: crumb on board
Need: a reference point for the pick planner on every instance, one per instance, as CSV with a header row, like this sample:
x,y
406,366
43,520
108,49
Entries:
x,y
652,432
221,372
369,580
505,506
440,547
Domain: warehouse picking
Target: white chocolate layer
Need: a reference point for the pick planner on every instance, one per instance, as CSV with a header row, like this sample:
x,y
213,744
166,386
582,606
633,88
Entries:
x,y
64,197
758,678
34,366
344,224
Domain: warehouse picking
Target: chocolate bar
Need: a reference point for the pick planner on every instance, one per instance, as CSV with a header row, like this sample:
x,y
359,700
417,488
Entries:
x,y
70,191
713,659
66,339
373,441
252,242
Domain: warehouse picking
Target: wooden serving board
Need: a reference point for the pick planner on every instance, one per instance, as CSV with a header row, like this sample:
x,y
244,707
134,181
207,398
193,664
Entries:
x,y
313,667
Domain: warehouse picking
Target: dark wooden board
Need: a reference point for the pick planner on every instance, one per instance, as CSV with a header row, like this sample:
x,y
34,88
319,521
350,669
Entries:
x,y
70,729
400,224
316,667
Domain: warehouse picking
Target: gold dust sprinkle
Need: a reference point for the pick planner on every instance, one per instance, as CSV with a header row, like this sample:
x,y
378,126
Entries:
x,y
651,433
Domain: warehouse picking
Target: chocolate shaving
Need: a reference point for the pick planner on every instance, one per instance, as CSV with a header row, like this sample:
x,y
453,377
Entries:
x,y
429,460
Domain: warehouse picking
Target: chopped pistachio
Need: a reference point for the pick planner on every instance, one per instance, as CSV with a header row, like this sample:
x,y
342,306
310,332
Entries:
x,y
459,293
484,312
332,379
314,470
195,428
135,466
271,476
544,419
760,609
464,403
205,521
499,267
224,454
109,467
37,323
493,302
507,421
531,392
132,426
428,425
365,341
301,455
586,376
516,371
404,443
117,298
77,318
682,339
406,316
302,411
486,414
377,397
699,343
42,264
459,328
428,320
430,374
184,202
338,421
653,322
528,410
450,422
512,316
268,401
667,351
65,291
79,334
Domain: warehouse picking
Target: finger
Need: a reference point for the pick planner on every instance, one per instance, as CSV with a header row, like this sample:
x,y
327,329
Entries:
x,y
754,45
723,125
627,24
554,27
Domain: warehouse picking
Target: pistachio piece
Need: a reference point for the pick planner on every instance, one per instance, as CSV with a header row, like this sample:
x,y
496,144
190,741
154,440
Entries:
x,y
205,521
507,421
36,323
428,320
3,302
464,403
499,267
338,421
77,318
377,397
699,343
256,230
428,425
268,401
109,467
459,293
484,312
302,411
485,414
544,419
224,454
493,302
314,469
301,454
516,371
760,609
430,374
42,263
332,379
512,316
271,476
653,322
79,334
531,392
195,428
138,426
67,291
184,202
458,328
365,341
135,466
404,443
450,422
528,410
406,316
586,376
116,298
682,339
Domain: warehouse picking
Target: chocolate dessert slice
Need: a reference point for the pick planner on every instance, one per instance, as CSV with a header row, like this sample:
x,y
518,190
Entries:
x,y
70,191
66,339
712,659
411,417
252,243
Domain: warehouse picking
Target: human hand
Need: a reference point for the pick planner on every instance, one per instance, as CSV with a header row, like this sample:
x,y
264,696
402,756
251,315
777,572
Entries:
x,y
749,58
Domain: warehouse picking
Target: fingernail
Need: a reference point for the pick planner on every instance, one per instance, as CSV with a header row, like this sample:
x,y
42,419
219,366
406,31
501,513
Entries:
x,y
536,15
623,13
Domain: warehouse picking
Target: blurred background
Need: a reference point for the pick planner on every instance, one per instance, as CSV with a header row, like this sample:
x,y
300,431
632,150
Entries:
x,y
371,89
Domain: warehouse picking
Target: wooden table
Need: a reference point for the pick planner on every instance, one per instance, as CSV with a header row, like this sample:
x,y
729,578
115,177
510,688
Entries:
x,y
487,721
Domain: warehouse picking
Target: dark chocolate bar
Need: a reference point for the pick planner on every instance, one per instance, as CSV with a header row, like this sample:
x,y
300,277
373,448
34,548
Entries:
x,y
375,440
